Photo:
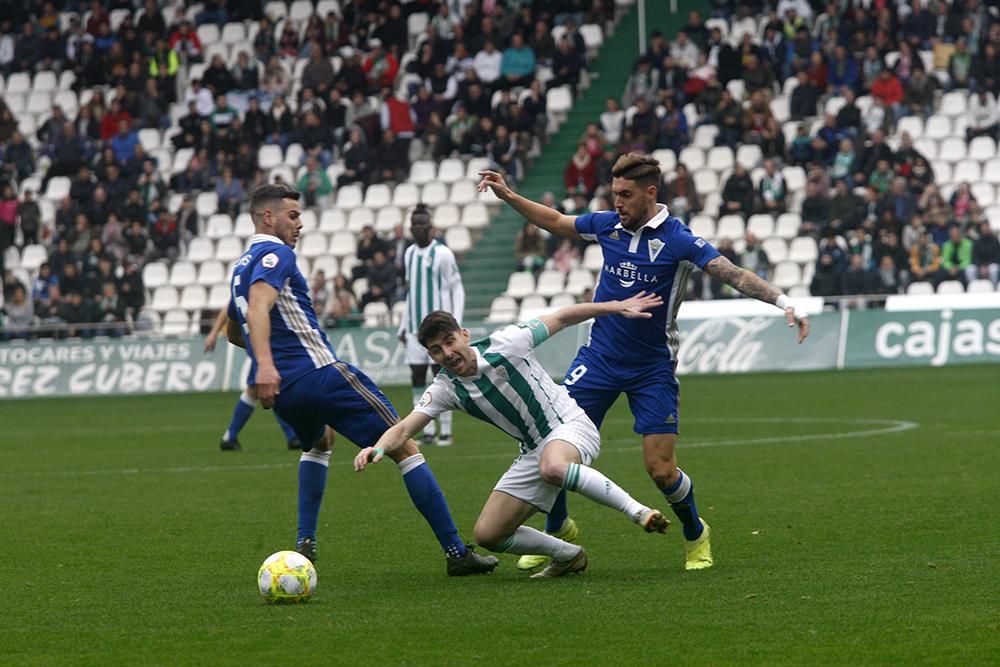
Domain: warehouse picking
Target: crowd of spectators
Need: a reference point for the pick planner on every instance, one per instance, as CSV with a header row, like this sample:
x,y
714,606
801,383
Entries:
x,y
801,60
365,99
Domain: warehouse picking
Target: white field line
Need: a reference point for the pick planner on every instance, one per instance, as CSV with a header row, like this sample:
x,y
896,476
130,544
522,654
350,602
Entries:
x,y
870,427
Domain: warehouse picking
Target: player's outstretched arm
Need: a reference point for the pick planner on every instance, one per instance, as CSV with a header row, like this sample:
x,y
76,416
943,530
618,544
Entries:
x,y
751,285
217,327
636,307
537,214
394,438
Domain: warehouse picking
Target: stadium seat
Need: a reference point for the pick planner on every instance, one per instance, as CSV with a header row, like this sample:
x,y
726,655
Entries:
x,y
532,306
520,284
451,170
786,275
795,178
176,322
979,286
276,10
149,137
967,171
342,244
920,289
775,248
33,256
942,172
18,82
446,216
984,193
991,171
229,249
269,156
982,149
666,158
914,125
706,180
312,244
704,136
730,226
951,287
954,103
234,33
703,226
154,274
502,309
434,193
737,89
458,239
183,273
332,220
211,272
720,158
561,301
218,296
749,155
593,36
692,157
761,225
193,297
304,264
927,147
780,108
11,260
327,264
475,216
360,287
243,226
803,250
377,195
476,165
952,150
66,79
376,314
463,192
57,188
937,127
218,225
300,10
350,197
423,172
294,155
359,218
309,221
593,257
559,100
165,297
550,283
207,203
578,281
45,82
387,218
405,195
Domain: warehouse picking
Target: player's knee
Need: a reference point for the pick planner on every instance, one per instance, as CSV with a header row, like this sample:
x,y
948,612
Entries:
x,y
662,472
552,470
408,449
487,536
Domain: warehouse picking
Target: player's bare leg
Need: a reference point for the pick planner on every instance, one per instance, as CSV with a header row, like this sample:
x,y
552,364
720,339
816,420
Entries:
x,y
661,464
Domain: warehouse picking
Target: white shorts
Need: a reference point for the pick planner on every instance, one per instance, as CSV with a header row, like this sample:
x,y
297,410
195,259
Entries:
x,y
523,479
416,354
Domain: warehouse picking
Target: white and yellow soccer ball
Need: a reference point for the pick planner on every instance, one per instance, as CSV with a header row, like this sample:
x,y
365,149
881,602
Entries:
x,y
286,576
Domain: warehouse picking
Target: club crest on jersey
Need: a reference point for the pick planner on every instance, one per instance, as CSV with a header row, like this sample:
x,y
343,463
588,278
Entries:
x,y
628,274
502,372
269,261
655,246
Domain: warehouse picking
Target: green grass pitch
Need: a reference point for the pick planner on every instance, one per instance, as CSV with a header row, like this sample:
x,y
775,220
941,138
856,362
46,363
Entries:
x,y
855,521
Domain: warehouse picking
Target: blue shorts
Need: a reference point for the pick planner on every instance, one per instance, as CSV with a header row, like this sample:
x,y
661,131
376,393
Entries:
x,y
652,390
339,396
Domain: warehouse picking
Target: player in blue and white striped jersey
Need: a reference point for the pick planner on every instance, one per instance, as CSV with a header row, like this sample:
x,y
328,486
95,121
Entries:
x,y
498,380
644,248
294,370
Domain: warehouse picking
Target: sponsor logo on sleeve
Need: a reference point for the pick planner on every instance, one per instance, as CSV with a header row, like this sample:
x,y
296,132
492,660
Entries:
x,y
269,261
426,399
700,242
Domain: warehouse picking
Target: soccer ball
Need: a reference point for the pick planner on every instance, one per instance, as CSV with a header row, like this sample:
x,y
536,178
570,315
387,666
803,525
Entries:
x,y
286,576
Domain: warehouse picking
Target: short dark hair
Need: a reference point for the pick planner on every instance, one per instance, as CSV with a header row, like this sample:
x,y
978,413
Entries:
x,y
421,209
643,169
269,195
438,323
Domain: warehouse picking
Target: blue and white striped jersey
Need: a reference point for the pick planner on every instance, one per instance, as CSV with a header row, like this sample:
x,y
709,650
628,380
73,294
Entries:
x,y
298,344
657,257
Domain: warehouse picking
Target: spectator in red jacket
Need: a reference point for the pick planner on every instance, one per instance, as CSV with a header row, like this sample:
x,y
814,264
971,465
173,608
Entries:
x,y
581,172
109,124
888,88
185,41
380,66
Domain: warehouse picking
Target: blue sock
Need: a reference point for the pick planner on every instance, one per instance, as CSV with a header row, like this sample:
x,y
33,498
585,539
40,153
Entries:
x,y
286,427
557,515
428,498
680,495
241,413
313,466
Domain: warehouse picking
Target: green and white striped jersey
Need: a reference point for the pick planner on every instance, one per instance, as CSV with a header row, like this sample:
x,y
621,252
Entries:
x,y
433,282
510,389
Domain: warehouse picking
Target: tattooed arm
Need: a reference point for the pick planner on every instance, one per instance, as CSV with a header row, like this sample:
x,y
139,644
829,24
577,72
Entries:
x,y
751,285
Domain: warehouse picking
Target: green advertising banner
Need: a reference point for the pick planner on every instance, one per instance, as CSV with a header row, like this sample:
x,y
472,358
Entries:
x,y
924,338
745,344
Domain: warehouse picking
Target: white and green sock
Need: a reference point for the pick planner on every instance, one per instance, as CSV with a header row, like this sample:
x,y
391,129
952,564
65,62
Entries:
x,y
527,540
595,485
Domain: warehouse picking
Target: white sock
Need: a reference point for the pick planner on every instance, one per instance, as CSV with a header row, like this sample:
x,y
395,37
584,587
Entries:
x,y
527,540
594,485
319,456
446,424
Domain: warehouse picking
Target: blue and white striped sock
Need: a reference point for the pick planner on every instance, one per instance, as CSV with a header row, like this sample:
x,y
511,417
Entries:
x,y
313,467
680,495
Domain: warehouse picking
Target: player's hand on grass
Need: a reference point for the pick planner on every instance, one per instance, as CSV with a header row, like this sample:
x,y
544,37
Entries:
x,y
366,456
268,381
494,180
636,307
802,320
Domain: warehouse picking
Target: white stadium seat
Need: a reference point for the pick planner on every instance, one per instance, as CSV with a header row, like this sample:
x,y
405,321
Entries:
x,y
520,284
406,195
33,256
434,193
458,239
950,287
229,249
550,283
218,296
475,216
342,244
730,226
165,297
451,170
359,218
377,195
211,272
176,322
154,274
183,273
218,225
920,289
332,220
349,197
803,250
786,275
193,297
422,172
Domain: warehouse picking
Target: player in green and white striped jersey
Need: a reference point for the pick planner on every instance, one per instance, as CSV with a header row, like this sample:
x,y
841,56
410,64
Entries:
x,y
500,381
434,284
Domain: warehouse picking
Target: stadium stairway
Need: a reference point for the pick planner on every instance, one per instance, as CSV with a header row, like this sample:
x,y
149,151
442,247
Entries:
x,y
490,263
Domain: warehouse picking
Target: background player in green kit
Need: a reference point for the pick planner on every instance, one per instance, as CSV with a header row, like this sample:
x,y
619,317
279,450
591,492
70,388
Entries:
x,y
499,380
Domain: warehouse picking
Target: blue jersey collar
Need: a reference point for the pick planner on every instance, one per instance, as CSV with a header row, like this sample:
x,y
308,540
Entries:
x,y
262,238
661,214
